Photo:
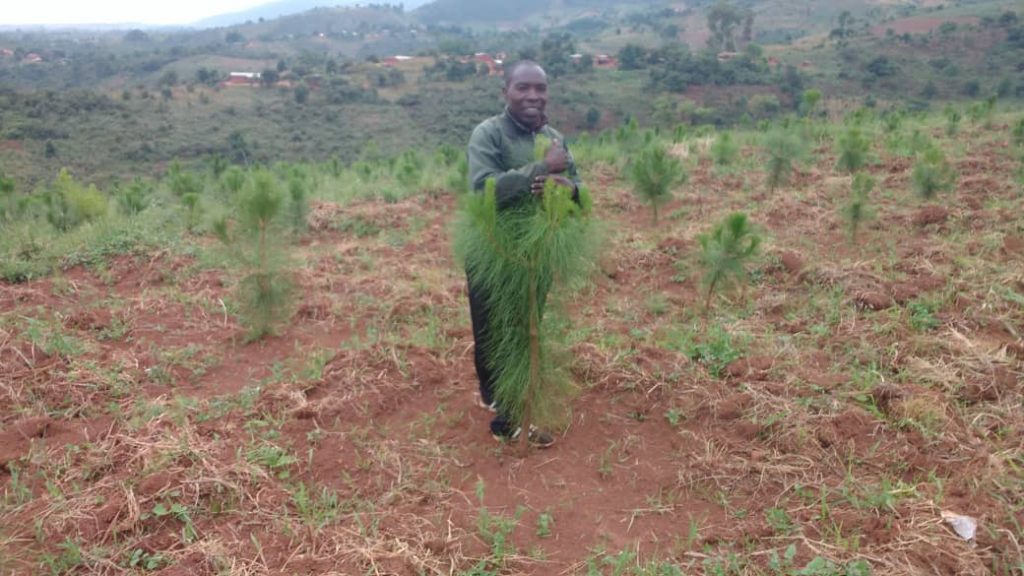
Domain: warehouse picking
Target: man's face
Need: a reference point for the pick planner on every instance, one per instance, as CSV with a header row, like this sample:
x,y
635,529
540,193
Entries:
x,y
526,95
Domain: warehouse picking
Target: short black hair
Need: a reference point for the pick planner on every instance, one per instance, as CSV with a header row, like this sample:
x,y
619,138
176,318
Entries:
x,y
511,70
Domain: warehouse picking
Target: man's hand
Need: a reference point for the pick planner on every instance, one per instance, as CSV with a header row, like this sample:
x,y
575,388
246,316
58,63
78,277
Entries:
x,y
537,188
556,159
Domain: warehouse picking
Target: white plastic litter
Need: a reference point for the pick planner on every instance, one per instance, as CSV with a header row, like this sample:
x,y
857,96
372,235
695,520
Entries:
x,y
964,526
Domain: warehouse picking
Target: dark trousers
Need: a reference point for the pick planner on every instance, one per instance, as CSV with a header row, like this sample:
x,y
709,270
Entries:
x,y
478,311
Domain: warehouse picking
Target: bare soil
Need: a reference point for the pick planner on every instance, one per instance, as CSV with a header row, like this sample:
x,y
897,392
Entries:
x,y
874,385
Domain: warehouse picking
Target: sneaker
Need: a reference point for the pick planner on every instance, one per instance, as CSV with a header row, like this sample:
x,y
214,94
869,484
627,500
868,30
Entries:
x,y
538,438
489,407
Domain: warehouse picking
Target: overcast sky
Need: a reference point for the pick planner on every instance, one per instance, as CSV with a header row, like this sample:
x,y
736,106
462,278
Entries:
x,y
16,12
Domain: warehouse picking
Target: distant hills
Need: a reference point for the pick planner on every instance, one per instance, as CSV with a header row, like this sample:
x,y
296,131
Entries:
x,y
289,7
520,11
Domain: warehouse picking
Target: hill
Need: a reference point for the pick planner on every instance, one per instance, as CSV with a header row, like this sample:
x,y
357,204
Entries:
x,y
286,8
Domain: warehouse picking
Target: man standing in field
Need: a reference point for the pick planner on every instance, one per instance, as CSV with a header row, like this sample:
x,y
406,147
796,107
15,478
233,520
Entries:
x,y
502,148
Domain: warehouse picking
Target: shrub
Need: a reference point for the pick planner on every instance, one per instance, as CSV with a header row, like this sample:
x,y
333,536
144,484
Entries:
x,y
654,173
69,203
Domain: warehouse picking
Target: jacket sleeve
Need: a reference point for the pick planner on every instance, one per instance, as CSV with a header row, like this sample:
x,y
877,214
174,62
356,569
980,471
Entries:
x,y
485,162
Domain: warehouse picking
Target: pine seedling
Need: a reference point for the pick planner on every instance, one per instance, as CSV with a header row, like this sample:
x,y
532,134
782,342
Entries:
x,y
932,174
516,257
7,199
232,181
458,177
953,118
299,202
783,148
654,173
134,198
1018,133
857,210
853,150
409,169
1019,176
257,246
190,200
725,252
724,150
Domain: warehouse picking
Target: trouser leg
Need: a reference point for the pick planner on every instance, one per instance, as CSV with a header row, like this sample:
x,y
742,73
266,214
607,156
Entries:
x,y
478,311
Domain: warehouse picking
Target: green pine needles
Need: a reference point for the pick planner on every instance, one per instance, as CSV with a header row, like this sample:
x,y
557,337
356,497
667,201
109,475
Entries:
x,y
725,252
783,148
932,174
1018,133
724,150
259,248
516,256
654,173
854,148
858,210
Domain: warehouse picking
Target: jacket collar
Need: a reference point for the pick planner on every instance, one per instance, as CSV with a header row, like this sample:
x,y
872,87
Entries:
x,y
521,127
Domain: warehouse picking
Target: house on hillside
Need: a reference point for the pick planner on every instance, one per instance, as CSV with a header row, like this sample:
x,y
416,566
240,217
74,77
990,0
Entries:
x,y
6,52
727,56
606,61
32,58
396,60
494,63
243,79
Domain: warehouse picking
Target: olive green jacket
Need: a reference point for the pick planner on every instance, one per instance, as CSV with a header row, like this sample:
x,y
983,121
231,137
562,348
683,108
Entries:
x,y
503,149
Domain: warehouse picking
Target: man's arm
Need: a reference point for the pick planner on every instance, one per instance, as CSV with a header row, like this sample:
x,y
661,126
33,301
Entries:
x,y
485,163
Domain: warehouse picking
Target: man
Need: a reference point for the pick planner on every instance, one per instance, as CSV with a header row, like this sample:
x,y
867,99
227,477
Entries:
x,y
502,148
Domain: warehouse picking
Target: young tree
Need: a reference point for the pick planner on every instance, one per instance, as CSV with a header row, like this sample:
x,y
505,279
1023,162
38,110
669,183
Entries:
x,y
953,118
809,102
298,192
783,148
932,174
857,209
853,150
259,249
725,252
518,255
654,173
724,150
1018,133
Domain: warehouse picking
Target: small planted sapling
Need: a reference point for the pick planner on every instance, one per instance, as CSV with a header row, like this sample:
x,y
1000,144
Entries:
x,y
1018,133
724,150
858,210
260,251
932,174
298,192
725,252
654,173
953,118
854,148
782,148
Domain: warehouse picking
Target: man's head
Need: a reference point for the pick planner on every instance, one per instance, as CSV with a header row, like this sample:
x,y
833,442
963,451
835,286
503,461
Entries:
x,y
526,92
